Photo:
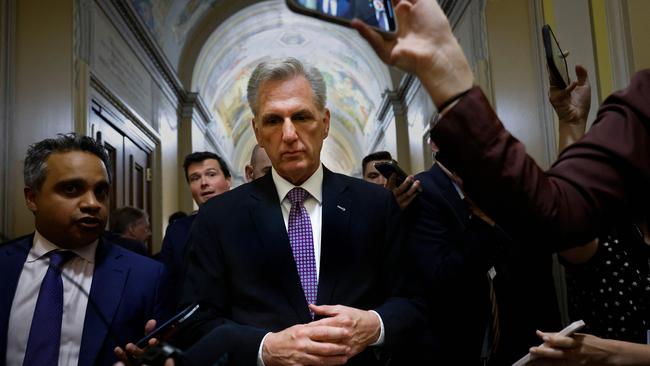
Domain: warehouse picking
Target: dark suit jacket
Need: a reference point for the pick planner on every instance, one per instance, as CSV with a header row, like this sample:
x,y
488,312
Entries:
x,y
592,183
127,288
172,254
451,252
241,268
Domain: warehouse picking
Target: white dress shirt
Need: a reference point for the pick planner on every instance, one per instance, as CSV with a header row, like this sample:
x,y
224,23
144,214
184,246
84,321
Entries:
x,y
314,206
78,269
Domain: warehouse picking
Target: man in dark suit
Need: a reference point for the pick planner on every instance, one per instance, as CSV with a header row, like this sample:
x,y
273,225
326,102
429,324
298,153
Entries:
x,y
454,248
46,316
207,175
267,263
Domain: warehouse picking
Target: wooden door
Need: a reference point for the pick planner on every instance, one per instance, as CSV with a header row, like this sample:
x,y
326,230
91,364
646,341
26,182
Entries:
x,y
130,161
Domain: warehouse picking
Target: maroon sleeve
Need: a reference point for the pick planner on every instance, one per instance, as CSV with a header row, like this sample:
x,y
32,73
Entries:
x,y
600,177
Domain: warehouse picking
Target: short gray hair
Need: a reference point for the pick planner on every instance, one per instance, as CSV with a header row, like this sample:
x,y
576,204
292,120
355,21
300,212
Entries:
x,y
285,69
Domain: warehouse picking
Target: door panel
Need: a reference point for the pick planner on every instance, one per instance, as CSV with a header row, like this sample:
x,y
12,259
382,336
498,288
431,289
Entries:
x,y
130,162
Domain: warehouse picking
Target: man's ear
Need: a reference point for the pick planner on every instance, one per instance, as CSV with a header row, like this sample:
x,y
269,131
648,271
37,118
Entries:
x,y
326,120
229,180
30,199
257,137
248,169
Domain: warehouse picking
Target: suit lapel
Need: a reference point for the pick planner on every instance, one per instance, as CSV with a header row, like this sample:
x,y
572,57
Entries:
x,y
337,205
266,215
108,284
12,259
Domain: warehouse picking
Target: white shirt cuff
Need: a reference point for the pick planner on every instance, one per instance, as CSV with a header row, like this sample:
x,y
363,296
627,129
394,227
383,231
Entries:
x,y
382,335
260,361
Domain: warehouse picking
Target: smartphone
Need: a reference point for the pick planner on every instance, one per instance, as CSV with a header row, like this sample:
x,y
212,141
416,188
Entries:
x,y
388,168
555,59
566,332
378,14
166,326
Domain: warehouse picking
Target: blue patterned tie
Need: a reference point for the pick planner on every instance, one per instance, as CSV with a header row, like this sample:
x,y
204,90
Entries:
x,y
302,244
45,333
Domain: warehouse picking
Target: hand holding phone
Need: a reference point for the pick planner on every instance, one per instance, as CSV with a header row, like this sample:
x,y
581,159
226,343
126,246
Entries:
x,y
555,59
566,332
390,167
168,325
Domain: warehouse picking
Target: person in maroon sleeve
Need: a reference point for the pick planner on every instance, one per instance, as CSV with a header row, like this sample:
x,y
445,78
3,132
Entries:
x,y
605,173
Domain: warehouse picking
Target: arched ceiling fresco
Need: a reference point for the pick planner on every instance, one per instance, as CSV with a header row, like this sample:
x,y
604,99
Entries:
x,y
355,78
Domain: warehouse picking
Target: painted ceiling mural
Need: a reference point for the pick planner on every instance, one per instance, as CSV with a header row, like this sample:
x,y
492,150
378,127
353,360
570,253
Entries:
x,y
355,78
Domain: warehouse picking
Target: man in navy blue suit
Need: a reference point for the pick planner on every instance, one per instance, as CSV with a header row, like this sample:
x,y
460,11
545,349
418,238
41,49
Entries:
x,y
302,264
46,314
207,175
453,247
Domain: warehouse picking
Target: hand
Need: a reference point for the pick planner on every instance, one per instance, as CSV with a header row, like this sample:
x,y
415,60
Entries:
x,y
572,104
424,46
306,344
403,194
363,326
579,349
572,107
132,350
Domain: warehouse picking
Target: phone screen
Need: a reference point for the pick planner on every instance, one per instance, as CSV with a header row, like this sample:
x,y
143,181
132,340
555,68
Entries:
x,y
376,13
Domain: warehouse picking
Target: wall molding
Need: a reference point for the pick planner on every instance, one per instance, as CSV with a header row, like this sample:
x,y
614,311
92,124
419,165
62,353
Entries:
x,y
132,28
618,24
7,97
141,126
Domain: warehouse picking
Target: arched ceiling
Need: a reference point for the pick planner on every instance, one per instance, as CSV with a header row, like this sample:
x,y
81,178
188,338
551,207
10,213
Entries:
x,y
171,22
355,78
244,32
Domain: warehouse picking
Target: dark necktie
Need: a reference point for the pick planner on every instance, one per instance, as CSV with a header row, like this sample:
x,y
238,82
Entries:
x,y
45,333
493,331
302,244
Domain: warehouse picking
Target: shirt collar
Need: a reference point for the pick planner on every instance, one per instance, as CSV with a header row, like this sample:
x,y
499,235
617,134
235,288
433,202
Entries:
x,y
313,185
43,246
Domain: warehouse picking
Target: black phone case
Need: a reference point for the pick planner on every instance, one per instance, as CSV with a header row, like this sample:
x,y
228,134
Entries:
x,y
548,39
388,168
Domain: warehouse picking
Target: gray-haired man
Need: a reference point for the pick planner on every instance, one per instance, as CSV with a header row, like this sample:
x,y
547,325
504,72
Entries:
x,y
301,263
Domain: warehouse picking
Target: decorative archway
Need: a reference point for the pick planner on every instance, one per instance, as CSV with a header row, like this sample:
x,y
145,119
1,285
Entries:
x,y
355,77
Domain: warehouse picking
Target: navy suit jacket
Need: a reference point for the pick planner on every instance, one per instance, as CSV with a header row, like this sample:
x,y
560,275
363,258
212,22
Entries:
x,y
451,252
172,254
128,289
241,267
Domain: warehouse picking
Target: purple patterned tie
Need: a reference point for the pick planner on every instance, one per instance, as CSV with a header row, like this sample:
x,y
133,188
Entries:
x,y
45,333
302,244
